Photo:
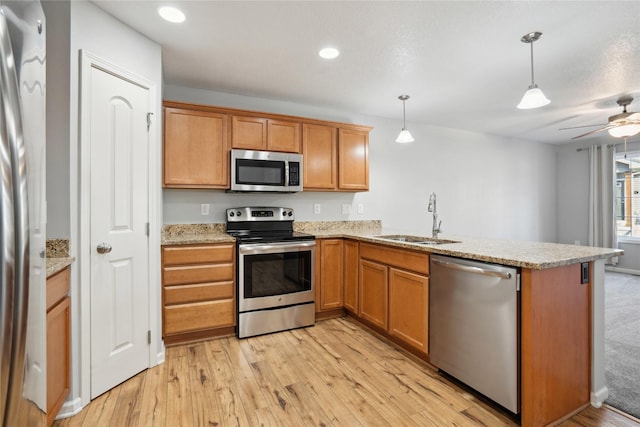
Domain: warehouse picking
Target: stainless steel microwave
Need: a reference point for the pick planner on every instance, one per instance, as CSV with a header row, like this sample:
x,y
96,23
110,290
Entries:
x,y
266,171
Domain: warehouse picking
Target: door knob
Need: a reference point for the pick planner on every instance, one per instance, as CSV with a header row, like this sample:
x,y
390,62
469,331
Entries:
x,y
103,248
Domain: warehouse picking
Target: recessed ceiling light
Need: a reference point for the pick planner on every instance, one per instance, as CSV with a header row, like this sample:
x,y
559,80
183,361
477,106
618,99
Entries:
x,y
329,53
171,14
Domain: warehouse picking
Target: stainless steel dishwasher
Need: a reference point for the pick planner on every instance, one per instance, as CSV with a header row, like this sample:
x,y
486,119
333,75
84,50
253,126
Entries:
x,y
474,324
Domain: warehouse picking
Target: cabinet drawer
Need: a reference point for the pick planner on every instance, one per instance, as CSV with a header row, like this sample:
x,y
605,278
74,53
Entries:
x,y
181,294
402,258
197,274
58,287
198,316
177,255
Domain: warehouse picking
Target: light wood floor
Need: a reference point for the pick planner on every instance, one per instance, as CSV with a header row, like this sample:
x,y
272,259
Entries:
x,y
336,373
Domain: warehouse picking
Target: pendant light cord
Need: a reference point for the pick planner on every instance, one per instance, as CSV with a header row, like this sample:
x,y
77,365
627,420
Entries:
x,y
404,116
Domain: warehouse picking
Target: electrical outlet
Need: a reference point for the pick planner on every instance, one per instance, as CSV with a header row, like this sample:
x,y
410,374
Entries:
x,y
204,209
316,208
360,208
577,242
346,209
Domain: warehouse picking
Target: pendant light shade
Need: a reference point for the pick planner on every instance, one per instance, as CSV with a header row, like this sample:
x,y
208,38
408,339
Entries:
x,y
533,97
404,136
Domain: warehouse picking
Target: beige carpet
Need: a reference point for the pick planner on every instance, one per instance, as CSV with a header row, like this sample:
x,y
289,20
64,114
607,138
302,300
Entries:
x,y
622,341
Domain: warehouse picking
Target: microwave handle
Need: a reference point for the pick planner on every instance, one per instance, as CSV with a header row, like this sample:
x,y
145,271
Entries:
x,y
286,174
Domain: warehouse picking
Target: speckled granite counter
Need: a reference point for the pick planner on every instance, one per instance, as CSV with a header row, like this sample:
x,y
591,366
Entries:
x,y
184,234
58,258
533,255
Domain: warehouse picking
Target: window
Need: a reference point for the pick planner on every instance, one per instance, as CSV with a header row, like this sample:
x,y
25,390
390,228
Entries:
x,y
627,193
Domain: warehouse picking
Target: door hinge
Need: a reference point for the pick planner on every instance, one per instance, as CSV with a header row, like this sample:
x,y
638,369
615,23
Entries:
x,y
149,121
148,337
147,229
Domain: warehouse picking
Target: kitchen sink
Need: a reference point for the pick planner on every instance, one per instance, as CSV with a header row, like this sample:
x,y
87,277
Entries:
x,y
417,240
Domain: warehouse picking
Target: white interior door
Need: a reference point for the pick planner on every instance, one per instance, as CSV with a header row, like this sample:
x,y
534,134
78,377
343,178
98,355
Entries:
x,y
119,214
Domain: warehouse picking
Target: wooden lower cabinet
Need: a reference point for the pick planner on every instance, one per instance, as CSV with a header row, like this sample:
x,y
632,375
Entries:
x,y
198,291
58,342
329,293
374,279
350,276
409,308
556,344
394,293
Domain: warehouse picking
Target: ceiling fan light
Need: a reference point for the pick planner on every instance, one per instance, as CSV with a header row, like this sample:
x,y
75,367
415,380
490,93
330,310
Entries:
x,y
533,98
624,131
404,137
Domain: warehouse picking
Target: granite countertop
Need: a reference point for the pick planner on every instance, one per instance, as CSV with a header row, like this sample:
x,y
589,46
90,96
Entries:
x,y
184,234
533,255
57,264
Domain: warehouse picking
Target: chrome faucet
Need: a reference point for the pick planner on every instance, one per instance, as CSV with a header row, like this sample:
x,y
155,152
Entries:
x,y
435,229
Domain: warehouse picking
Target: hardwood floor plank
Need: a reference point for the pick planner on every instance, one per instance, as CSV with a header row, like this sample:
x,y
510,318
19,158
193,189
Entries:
x,y
336,373
251,395
205,407
179,406
227,395
153,411
127,407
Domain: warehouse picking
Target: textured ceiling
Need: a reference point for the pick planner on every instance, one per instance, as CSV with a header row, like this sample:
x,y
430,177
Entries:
x,y
462,62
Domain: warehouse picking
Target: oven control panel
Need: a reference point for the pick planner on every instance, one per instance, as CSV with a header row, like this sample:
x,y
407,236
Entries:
x,y
259,214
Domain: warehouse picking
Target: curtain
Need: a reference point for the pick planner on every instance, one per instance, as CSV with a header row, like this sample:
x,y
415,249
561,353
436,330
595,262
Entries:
x,y
602,214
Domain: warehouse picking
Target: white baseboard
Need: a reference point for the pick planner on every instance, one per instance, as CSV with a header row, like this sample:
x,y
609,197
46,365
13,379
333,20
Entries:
x,y
599,396
70,408
622,270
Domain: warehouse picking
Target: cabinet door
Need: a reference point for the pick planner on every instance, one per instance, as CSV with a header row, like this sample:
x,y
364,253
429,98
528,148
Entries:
x,y
409,308
373,293
283,136
353,158
58,348
350,280
249,133
320,152
330,274
196,149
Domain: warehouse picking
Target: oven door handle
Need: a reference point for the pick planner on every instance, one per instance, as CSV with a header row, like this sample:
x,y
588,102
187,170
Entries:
x,y
253,248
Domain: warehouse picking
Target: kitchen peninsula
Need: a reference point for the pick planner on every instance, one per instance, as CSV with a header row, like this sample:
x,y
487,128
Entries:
x,y
561,302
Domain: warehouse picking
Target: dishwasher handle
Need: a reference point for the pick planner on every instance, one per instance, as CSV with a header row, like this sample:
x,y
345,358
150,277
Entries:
x,y
471,269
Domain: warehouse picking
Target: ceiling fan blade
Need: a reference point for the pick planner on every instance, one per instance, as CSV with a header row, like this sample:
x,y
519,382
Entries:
x,y
593,131
585,126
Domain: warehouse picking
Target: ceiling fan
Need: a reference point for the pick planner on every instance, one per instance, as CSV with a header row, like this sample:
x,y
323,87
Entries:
x,y
621,125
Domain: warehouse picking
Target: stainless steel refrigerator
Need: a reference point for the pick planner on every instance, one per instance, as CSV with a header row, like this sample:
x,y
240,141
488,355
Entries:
x,y
22,214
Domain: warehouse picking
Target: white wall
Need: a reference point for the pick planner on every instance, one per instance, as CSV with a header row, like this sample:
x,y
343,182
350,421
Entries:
x,y
58,131
486,185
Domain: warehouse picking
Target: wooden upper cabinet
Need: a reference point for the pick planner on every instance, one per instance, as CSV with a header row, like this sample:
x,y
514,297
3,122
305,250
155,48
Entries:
x,y
255,133
283,136
249,133
353,159
320,156
196,149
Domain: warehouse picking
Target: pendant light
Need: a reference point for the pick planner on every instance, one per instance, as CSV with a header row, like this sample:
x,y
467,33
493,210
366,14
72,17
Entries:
x,y
405,135
533,97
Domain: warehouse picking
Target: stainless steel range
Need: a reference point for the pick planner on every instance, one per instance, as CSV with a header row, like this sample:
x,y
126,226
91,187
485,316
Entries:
x,y
275,271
